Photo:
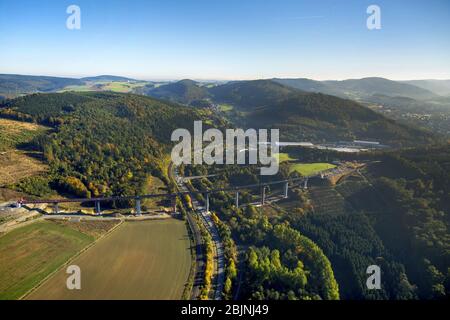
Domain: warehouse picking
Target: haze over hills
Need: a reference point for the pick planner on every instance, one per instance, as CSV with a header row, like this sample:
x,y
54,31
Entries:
x,y
361,88
187,90
107,78
440,87
416,89
370,86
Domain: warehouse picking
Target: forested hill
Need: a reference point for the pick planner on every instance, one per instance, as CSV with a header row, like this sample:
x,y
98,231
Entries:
x,y
13,84
103,143
415,183
363,88
107,78
184,91
311,116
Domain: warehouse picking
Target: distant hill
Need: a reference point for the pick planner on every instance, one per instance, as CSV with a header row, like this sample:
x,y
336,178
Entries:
x,y
107,78
311,116
370,86
309,85
14,85
251,94
184,91
360,89
440,87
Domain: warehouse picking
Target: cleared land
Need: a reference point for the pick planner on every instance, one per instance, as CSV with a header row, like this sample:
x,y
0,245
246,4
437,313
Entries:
x,y
307,169
226,107
154,185
283,157
13,133
30,253
16,165
327,201
139,260
7,195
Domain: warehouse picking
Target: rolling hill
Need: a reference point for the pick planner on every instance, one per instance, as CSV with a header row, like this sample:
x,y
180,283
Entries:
x,y
370,86
184,92
107,78
311,116
440,87
360,89
102,143
309,85
12,85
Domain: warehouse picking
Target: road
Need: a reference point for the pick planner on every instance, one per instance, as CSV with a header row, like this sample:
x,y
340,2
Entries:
x,y
198,242
219,260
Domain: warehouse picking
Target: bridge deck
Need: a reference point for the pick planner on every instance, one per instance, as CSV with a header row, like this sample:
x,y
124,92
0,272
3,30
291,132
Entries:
x,y
163,195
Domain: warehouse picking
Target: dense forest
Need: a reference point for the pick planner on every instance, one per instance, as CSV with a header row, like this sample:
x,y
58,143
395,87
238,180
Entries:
x,y
278,261
415,184
101,143
395,215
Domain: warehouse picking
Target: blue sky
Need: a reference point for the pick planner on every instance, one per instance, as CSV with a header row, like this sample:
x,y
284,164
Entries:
x,y
245,39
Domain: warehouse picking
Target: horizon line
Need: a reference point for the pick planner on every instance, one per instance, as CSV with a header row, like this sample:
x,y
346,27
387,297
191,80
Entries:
x,y
206,79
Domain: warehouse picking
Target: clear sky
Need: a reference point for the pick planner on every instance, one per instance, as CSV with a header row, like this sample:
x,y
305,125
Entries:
x,y
232,39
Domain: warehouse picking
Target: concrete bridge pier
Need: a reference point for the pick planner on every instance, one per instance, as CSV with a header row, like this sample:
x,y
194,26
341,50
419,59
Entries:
x,y
174,204
138,206
98,210
207,202
237,200
286,190
55,208
306,184
263,196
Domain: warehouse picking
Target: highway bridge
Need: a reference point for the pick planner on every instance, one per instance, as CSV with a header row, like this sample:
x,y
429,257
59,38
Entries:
x,y
172,196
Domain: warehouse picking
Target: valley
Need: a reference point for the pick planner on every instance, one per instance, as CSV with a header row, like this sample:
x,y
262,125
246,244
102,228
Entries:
x,y
341,211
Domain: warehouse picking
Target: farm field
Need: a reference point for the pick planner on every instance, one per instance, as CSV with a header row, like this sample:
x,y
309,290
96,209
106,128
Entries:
x,y
30,253
79,88
307,169
116,86
139,260
123,87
